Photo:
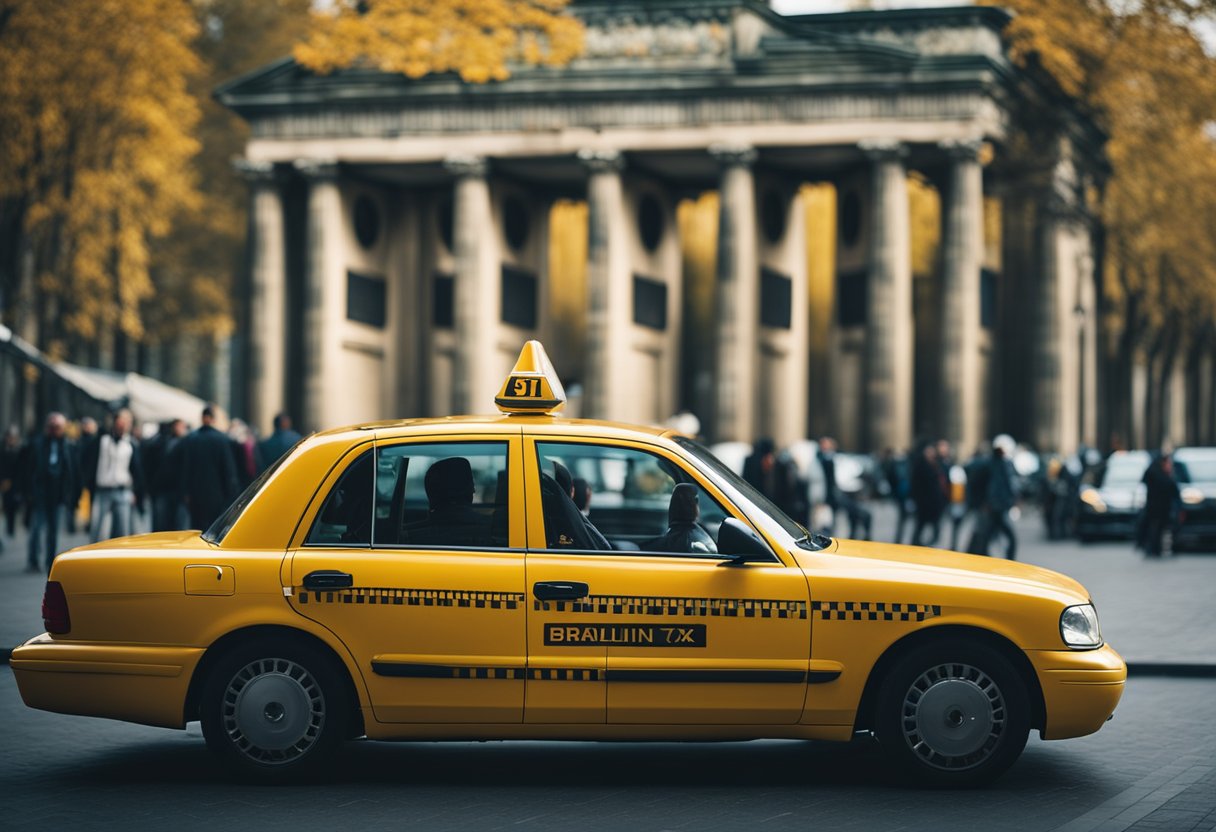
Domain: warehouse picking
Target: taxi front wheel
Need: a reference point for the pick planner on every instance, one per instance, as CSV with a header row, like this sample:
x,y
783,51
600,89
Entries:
x,y
274,711
953,713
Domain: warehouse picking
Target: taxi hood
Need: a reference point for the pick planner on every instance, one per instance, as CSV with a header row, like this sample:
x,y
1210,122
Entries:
x,y
924,565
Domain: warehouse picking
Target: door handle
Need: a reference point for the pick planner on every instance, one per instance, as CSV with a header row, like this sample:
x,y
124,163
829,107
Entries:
x,y
559,590
328,579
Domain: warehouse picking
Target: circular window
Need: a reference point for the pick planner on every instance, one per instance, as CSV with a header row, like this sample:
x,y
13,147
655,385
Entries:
x,y
444,218
850,218
515,223
650,222
367,221
772,216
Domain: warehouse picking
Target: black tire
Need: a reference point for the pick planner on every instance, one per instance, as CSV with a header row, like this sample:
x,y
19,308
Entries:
x,y
952,713
275,711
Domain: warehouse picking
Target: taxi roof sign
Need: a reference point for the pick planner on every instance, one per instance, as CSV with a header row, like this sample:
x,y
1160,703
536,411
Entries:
x,y
533,385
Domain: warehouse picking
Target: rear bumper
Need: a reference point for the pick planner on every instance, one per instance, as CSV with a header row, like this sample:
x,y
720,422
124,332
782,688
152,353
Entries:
x,y
130,682
1080,689
1108,524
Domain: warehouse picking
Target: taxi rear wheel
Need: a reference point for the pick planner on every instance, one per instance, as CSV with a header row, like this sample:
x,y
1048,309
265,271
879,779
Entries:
x,y
275,711
953,713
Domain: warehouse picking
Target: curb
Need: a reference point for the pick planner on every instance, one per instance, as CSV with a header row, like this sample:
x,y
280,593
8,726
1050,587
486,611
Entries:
x,y
1177,670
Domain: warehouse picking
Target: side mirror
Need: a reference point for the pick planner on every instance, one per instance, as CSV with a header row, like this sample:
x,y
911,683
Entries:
x,y
740,544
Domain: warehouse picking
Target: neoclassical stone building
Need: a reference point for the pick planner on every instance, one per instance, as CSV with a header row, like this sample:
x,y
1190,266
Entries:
x,y
401,249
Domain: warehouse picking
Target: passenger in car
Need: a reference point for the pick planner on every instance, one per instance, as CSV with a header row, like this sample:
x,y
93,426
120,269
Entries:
x,y
684,534
452,520
565,526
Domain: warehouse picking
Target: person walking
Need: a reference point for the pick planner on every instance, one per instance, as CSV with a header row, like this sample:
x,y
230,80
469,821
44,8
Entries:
x,y
162,464
1160,503
10,480
246,457
114,474
895,470
50,489
1000,495
775,476
930,491
280,441
208,475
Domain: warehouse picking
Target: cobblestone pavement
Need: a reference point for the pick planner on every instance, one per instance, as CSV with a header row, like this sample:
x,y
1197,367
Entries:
x,y
1150,768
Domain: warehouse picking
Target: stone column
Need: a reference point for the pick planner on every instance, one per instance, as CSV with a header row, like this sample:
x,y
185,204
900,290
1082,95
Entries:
x,y
963,252
267,323
737,298
609,286
1046,346
323,289
889,330
476,289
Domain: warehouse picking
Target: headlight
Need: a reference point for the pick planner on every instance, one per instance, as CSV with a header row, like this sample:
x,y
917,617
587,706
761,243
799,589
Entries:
x,y
1192,496
1091,498
1079,626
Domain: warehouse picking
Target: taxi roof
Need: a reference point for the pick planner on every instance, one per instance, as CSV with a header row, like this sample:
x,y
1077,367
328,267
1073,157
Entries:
x,y
498,423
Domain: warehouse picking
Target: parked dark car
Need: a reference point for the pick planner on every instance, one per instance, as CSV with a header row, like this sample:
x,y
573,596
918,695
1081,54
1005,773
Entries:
x,y
1112,497
1195,470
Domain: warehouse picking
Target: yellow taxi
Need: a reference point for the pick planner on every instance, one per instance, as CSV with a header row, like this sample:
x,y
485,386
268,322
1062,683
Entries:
x,y
525,576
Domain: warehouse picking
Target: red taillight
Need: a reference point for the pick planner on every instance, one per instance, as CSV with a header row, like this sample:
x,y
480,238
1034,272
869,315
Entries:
x,y
55,609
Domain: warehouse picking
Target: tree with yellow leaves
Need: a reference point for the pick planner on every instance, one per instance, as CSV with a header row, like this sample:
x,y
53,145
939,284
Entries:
x,y
479,39
1143,72
94,159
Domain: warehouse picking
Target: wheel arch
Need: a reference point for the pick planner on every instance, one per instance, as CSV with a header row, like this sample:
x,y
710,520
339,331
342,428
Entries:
x,y
864,719
230,639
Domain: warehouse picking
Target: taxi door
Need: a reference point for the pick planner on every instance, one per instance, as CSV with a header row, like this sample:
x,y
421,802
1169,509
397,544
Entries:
x,y
680,638
433,613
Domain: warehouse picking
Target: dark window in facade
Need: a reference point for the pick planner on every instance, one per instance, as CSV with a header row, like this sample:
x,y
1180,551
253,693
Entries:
x,y
851,298
518,297
443,309
772,215
775,299
650,222
515,221
445,220
367,221
649,302
988,298
365,299
850,218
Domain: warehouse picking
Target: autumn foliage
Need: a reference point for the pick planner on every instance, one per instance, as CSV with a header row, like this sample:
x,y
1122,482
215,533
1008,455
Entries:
x,y
479,39
1145,76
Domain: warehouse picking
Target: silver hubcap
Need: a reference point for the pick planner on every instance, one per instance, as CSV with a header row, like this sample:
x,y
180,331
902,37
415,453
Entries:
x,y
273,710
953,716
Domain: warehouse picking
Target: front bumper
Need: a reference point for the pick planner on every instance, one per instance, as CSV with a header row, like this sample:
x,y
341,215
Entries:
x,y
130,682
1080,689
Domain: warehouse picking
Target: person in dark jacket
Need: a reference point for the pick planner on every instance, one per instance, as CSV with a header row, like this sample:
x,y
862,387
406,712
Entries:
x,y
163,464
11,480
208,477
776,477
279,442
1000,495
50,488
1160,503
930,493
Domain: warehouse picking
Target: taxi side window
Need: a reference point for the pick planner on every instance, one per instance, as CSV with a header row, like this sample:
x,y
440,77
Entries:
x,y
346,516
597,497
442,495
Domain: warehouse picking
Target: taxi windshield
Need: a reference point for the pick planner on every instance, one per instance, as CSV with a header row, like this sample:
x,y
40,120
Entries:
x,y
751,494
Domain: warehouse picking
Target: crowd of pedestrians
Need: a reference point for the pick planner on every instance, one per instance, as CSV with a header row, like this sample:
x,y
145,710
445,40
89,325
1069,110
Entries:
x,y
67,472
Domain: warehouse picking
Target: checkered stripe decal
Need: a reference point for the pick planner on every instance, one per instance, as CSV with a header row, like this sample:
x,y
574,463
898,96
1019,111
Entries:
x,y
414,598
873,611
687,607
